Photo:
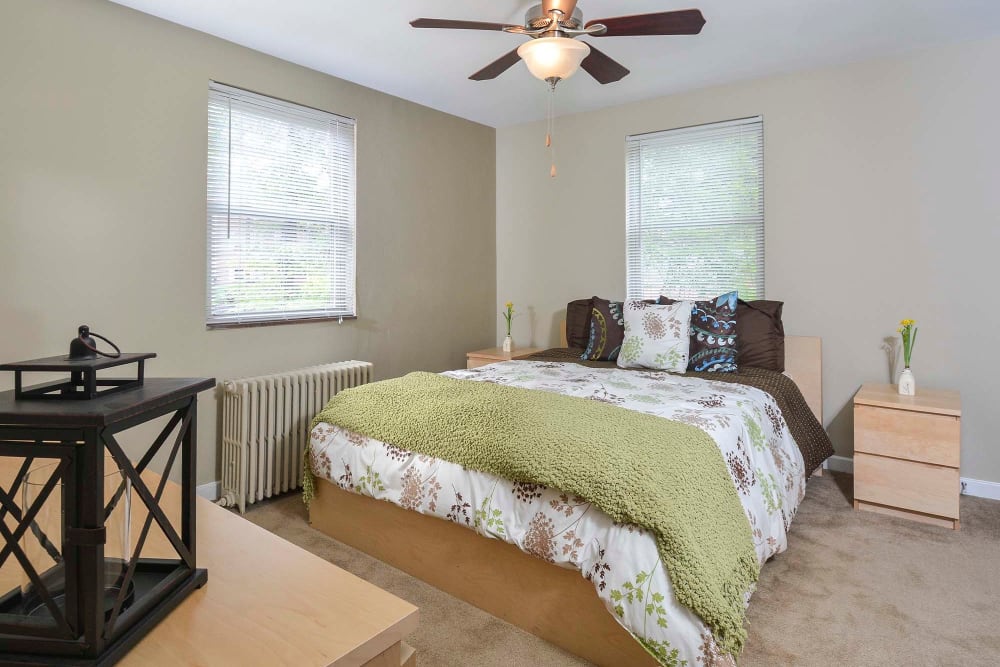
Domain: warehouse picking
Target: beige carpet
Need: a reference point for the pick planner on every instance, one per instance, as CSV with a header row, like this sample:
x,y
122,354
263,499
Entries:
x,y
853,588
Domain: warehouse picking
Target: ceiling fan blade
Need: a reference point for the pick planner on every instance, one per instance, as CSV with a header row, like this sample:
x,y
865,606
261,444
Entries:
x,y
497,67
683,22
565,6
603,67
460,25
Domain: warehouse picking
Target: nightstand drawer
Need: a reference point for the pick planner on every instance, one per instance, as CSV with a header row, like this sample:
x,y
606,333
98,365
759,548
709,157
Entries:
x,y
903,434
905,484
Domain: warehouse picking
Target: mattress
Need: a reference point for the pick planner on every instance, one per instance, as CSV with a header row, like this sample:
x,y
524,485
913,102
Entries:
x,y
621,561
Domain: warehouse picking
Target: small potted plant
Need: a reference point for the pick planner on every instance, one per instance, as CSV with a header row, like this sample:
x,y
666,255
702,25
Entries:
x,y
908,332
508,315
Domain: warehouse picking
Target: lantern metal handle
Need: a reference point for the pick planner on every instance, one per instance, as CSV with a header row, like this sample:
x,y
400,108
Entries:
x,y
85,332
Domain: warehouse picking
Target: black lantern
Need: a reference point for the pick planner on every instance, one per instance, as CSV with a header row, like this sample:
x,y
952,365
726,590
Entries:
x,y
77,585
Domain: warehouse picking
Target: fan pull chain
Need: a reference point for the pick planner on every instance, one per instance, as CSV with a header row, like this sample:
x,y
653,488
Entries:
x,y
551,128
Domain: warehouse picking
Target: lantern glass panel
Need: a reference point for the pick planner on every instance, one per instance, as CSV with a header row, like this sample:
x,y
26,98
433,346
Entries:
x,y
11,573
43,542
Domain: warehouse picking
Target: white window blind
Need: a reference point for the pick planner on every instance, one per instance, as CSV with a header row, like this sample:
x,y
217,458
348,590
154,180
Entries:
x,y
281,210
695,211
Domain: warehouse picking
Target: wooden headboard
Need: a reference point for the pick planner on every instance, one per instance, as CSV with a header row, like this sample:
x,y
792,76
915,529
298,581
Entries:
x,y
803,363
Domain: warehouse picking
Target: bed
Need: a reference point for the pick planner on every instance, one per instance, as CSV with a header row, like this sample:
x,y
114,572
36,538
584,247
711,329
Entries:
x,y
527,548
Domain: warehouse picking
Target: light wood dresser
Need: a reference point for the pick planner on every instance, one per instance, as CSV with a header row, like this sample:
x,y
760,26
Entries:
x,y
491,355
907,451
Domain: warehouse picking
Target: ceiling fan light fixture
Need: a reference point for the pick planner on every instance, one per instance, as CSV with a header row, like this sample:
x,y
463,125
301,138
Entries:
x,y
553,57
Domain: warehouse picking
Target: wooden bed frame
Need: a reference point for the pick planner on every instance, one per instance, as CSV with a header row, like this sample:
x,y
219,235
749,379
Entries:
x,y
548,601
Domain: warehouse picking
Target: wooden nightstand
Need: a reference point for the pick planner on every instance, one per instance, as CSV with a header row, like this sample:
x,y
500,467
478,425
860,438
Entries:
x,y
907,451
492,355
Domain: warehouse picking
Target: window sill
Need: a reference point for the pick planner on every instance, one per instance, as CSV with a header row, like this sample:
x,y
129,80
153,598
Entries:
x,y
270,323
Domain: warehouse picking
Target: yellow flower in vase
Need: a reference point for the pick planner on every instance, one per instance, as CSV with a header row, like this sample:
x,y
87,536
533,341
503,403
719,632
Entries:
x,y
508,314
908,332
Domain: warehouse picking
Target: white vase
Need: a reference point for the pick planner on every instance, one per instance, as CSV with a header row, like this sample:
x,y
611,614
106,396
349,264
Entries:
x,y
907,383
508,344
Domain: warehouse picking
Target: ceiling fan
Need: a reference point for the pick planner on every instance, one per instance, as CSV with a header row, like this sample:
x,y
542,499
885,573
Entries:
x,y
554,54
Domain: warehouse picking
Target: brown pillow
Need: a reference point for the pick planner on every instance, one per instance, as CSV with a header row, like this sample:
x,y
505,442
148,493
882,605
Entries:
x,y
761,334
578,322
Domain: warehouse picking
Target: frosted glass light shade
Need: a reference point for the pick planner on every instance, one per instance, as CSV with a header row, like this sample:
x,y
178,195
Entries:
x,y
553,57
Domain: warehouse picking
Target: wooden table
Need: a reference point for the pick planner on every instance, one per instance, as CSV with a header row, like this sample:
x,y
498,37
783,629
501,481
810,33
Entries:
x,y
270,603
491,355
907,453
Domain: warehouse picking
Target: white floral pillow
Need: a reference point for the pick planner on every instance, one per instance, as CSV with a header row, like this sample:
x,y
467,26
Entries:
x,y
656,336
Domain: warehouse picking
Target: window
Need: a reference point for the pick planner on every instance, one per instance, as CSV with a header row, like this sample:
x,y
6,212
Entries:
x,y
281,207
695,211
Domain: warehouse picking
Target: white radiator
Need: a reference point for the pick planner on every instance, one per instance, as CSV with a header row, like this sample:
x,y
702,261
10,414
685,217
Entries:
x,y
265,427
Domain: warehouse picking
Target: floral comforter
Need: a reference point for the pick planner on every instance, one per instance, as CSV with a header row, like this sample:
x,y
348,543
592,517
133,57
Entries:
x,y
621,561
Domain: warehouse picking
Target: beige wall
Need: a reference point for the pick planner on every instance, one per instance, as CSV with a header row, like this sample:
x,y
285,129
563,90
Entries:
x,y
102,205
882,197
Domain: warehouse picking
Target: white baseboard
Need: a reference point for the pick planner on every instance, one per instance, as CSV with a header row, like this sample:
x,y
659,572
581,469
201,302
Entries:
x,y
839,464
981,488
970,487
209,491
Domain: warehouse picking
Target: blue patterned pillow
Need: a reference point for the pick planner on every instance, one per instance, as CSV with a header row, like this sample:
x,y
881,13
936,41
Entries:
x,y
713,334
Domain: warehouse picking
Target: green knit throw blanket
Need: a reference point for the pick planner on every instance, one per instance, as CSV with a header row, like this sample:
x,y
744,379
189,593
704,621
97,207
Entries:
x,y
664,476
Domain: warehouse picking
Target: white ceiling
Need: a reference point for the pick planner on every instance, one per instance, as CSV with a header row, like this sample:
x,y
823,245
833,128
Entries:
x,y
371,43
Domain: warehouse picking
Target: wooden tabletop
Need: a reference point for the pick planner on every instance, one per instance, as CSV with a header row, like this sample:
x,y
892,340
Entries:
x,y
933,401
498,354
269,602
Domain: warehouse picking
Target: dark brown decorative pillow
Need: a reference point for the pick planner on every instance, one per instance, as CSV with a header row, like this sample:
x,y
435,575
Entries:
x,y
578,322
713,334
607,330
761,334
